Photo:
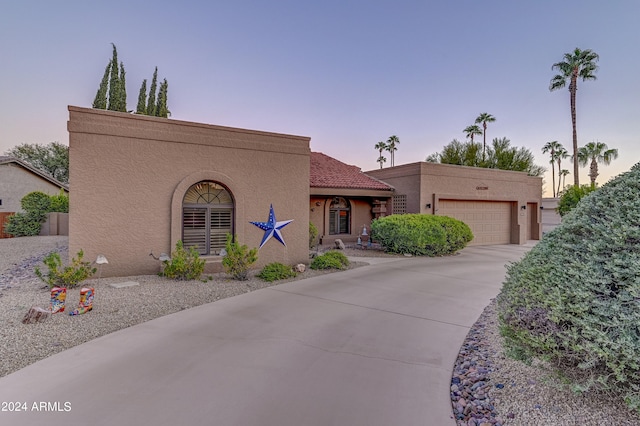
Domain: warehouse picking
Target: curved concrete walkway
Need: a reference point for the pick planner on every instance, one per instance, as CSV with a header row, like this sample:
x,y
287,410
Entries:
x,y
370,346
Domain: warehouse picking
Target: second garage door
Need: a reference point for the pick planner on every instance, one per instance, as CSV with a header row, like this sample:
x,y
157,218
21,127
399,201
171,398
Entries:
x,y
490,221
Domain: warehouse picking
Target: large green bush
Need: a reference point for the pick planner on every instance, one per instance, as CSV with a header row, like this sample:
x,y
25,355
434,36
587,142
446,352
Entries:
x,y
36,205
421,234
574,299
571,196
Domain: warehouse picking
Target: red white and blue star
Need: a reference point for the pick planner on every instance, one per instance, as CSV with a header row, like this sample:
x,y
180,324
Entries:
x,y
272,228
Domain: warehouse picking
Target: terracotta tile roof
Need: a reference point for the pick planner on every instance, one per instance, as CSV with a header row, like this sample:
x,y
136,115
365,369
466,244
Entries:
x,y
327,172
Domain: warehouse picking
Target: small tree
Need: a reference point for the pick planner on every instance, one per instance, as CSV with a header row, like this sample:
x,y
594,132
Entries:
x,y
161,108
238,259
151,101
52,159
141,108
65,276
100,101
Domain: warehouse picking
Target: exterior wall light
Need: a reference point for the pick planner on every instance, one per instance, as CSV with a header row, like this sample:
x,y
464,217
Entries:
x,y
523,207
428,205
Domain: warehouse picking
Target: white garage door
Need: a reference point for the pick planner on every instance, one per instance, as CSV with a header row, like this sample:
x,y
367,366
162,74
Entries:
x,y
490,221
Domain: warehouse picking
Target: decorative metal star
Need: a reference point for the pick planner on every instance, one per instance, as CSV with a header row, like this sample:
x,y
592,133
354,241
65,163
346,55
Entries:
x,y
272,228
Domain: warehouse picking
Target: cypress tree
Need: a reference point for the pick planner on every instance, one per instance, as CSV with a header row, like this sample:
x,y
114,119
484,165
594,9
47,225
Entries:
x,y
114,83
161,109
122,100
100,101
142,98
151,103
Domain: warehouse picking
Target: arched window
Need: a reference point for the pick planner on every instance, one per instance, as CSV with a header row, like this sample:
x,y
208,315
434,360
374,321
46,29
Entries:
x,y
339,216
207,217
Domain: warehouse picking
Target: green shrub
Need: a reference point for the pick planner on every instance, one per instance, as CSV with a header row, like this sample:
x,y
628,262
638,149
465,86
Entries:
x,y
36,202
67,276
238,259
574,299
183,265
330,260
59,203
35,205
421,234
571,196
23,225
276,271
313,234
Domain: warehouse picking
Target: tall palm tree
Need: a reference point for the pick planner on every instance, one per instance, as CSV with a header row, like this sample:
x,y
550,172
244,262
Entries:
x,y
563,173
381,159
596,152
561,154
391,147
551,148
472,130
576,64
484,118
380,146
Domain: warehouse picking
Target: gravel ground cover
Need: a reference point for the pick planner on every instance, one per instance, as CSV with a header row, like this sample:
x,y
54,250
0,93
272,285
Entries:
x,y
487,388
114,309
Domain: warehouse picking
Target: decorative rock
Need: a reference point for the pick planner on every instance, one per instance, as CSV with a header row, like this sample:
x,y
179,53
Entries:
x,y
36,314
339,244
300,268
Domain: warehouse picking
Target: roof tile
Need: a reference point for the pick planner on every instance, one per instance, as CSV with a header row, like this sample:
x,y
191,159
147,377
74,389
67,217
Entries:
x,y
327,172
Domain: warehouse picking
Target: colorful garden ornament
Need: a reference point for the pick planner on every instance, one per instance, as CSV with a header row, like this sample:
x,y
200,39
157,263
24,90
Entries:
x,y
86,301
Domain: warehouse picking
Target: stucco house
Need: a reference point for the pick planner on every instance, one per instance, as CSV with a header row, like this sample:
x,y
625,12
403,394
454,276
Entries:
x,y
343,200
17,179
500,206
142,183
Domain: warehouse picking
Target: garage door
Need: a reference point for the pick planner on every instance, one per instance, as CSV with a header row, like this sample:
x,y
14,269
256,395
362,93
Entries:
x,y
490,221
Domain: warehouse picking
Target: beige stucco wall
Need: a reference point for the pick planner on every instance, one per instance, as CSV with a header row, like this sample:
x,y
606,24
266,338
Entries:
x,y
426,183
129,174
16,182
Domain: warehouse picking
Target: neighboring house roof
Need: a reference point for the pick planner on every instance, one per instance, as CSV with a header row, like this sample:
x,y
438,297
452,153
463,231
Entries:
x,y
30,168
327,172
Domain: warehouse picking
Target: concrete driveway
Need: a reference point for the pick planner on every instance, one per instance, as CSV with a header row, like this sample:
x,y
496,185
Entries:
x,y
370,346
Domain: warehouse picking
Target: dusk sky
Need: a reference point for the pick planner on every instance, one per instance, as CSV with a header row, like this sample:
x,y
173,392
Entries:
x,y
345,73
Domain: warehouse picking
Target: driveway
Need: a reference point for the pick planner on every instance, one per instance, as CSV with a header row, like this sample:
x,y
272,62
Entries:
x,y
370,346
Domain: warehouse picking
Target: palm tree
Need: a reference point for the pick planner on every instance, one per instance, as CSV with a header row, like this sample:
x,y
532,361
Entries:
x,y
552,147
563,173
380,146
391,147
472,130
576,64
561,154
596,152
484,118
381,159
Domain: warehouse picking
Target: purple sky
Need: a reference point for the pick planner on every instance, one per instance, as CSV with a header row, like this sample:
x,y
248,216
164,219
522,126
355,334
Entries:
x,y
346,73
